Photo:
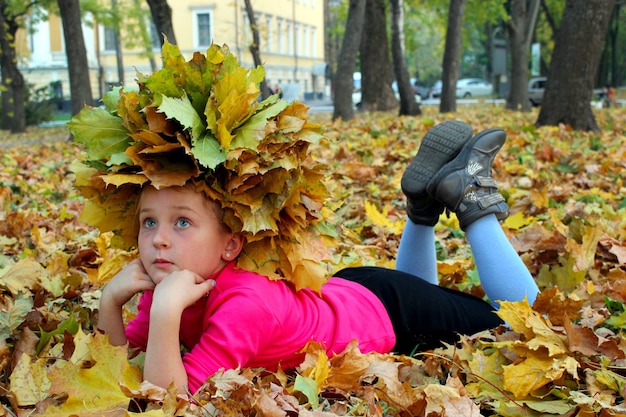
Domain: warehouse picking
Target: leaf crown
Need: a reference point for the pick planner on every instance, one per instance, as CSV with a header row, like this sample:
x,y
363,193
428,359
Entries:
x,y
201,121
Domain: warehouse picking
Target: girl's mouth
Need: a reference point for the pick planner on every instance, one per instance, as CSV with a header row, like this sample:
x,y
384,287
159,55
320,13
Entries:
x,y
162,263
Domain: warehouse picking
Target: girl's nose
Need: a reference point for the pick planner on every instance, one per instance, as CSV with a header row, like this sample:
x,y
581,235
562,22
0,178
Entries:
x,y
161,238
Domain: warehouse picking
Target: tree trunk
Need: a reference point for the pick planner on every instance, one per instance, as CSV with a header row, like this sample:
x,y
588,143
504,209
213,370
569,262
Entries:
x,y
520,28
254,47
162,17
375,63
574,65
13,92
451,57
347,61
613,45
80,85
119,53
408,105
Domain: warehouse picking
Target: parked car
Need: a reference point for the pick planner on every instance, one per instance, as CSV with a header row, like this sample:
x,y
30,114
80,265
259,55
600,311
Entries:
x,y
536,88
435,91
473,87
422,92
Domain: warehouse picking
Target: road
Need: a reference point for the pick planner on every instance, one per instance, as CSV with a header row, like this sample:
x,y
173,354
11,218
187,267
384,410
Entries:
x,y
326,106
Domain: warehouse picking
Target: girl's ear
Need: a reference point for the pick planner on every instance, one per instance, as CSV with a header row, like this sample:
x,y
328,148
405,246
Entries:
x,y
233,247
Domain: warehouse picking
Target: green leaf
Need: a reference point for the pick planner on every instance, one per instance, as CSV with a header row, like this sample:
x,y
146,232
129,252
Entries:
x,y
119,158
253,131
111,98
182,110
207,151
309,388
12,319
102,133
70,324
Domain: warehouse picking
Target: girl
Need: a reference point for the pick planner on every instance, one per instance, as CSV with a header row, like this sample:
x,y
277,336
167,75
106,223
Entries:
x,y
228,317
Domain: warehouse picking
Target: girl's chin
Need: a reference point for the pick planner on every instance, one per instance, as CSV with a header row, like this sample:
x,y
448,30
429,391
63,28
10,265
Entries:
x,y
158,277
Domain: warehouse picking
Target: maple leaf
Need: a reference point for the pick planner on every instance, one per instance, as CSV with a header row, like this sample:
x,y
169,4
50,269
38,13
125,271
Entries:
x,y
29,382
23,277
102,133
95,388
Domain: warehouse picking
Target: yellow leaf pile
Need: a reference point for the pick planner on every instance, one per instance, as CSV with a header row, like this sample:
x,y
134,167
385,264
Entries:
x,y
563,356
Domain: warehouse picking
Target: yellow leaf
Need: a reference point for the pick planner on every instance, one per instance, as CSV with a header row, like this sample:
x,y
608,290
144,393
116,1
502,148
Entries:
x,y
534,372
95,389
584,253
25,276
113,263
540,197
320,371
29,382
382,219
527,376
544,336
119,179
518,220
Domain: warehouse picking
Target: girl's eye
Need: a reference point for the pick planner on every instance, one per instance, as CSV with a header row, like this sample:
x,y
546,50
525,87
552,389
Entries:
x,y
149,223
183,223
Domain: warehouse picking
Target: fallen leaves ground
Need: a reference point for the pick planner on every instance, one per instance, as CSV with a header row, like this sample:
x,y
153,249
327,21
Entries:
x,y
563,357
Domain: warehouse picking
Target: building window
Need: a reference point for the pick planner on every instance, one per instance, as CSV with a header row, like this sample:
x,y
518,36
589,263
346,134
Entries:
x,y
279,35
110,39
290,45
313,42
305,41
258,19
269,29
297,38
203,29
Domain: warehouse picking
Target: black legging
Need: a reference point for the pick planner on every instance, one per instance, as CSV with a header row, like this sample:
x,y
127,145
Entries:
x,y
423,314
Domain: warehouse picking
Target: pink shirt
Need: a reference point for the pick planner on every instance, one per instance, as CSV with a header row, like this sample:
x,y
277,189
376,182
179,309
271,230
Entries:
x,y
249,320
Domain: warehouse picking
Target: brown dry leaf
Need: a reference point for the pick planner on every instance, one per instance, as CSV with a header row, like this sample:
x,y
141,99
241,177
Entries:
x,y
450,400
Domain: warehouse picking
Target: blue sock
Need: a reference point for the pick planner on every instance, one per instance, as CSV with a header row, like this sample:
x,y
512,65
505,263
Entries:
x,y
502,272
416,253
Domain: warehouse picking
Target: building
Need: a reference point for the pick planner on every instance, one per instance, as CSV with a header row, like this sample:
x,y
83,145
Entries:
x,y
291,31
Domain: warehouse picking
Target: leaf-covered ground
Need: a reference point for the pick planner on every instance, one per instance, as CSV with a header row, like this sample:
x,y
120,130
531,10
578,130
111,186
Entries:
x,y
565,356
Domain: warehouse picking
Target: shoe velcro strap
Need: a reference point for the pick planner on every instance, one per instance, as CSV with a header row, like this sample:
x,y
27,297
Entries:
x,y
490,200
486,182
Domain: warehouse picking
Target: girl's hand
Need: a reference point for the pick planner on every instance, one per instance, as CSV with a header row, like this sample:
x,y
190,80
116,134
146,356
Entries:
x,y
179,290
121,288
126,283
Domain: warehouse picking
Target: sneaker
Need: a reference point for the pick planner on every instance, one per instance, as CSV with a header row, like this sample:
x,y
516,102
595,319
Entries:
x,y
465,185
439,146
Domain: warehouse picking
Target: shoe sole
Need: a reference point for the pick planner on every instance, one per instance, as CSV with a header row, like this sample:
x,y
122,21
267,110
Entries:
x,y
460,161
439,146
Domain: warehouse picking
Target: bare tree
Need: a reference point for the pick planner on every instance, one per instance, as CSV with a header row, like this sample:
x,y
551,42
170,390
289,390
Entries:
x,y
80,86
254,46
347,61
408,105
451,56
162,17
375,63
520,27
574,65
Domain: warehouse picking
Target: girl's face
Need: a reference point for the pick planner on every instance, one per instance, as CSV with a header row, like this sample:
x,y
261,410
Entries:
x,y
179,229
